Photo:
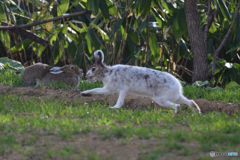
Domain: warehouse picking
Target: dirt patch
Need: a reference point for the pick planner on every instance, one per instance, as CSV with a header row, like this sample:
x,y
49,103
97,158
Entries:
x,y
84,145
130,101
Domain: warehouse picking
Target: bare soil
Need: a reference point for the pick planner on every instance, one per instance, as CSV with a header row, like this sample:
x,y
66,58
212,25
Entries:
x,y
130,149
130,101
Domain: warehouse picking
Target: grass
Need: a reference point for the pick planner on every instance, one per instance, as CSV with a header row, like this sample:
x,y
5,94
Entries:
x,y
51,129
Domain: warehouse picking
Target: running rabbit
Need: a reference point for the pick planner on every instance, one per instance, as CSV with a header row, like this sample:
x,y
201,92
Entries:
x,y
161,87
68,74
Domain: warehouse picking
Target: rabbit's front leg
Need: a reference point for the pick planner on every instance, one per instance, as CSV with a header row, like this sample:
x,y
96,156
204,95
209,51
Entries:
x,y
122,95
96,91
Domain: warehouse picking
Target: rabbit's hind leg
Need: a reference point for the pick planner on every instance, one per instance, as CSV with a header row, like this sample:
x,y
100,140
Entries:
x,y
190,103
166,103
38,82
120,101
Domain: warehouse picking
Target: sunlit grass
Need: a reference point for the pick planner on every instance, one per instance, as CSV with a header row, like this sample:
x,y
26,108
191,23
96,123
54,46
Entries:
x,y
10,78
36,117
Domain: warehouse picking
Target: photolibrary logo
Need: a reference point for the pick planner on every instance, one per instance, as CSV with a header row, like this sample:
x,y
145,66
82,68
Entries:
x,y
213,154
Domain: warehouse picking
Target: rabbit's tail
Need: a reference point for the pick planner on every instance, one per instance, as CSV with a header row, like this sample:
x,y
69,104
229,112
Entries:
x,y
190,103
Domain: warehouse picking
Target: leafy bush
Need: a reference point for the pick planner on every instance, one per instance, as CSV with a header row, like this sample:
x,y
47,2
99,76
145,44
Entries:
x,y
10,64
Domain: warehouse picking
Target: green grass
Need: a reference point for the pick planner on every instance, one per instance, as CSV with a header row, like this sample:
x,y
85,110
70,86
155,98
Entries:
x,y
28,127
212,131
10,78
217,94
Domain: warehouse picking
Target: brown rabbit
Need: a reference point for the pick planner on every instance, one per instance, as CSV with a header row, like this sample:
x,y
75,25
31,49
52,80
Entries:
x,y
68,74
33,72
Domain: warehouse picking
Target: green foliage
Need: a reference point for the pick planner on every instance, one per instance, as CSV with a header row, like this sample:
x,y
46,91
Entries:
x,y
232,86
121,29
10,64
224,9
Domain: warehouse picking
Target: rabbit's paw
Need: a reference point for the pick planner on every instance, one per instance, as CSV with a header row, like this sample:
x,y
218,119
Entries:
x,y
84,93
115,107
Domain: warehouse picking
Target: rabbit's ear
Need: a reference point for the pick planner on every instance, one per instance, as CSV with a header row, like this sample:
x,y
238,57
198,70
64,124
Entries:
x,y
99,56
56,70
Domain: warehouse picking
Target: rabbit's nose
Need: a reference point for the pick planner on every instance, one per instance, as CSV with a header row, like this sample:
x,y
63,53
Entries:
x,y
88,76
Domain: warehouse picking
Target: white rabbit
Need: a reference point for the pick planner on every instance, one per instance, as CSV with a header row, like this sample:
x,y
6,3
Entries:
x,y
68,74
161,87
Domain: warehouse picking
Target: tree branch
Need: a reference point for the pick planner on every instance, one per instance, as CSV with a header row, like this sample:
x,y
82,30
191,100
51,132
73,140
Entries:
x,y
27,34
224,40
45,21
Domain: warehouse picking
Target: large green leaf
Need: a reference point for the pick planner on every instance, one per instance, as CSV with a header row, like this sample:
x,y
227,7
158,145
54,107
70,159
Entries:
x,y
220,65
104,8
76,2
112,8
94,39
94,6
81,30
182,22
210,46
58,48
179,24
1,12
176,28
234,74
236,38
234,48
79,60
158,5
183,48
7,14
166,6
124,34
143,25
63,7
20,46
158,17
79,8
12,64
154,46
3,51
89,44
224,9
143,7
5,39
134,35
213,28
120,21
117,43
232,86
103,34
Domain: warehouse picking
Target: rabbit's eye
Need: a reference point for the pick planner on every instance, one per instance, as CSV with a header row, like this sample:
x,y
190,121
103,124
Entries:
x,y
93,69
71,67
